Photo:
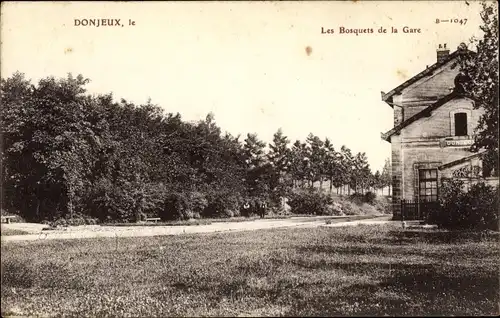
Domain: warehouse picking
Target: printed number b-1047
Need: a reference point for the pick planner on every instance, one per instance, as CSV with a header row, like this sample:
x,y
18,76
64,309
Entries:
x,y
459,21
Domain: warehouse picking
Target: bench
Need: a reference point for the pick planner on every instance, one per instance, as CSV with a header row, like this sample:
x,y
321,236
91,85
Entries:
x,y
7,218
153,220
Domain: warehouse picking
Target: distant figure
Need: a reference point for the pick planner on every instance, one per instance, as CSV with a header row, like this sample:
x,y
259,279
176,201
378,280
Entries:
x,y
262,209
246,209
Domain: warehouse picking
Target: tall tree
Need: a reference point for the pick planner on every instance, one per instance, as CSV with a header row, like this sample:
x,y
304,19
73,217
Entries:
x,y
300,162
480,74
348,166
385,177
317,159
377,180
51,139
330,162
279,158
258,171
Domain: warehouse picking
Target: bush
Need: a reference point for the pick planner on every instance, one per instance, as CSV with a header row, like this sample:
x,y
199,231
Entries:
x,y
474,209
337,208
311,201
222,204
383,204
359,198
350,208
370,197
110,201
77,220
198,202
195,205
177,207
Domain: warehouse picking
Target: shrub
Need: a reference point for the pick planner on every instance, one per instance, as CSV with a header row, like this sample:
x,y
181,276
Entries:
x,y
350,208
370,197
196,215
474,209
110,201
383,204
183,206
337,208
198,202
359,198
222,204
311,201
77,220
177,207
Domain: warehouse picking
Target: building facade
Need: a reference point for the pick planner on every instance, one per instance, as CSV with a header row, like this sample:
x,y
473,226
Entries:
x,y
434,125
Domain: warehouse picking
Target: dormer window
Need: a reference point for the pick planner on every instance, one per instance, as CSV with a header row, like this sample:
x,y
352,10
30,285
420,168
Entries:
x,y
461,124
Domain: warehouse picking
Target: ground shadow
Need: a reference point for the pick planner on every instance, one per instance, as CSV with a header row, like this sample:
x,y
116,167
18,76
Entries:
x,y
409,290
438,236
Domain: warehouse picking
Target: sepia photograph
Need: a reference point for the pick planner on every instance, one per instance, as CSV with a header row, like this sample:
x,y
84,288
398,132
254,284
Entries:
x,y
249,158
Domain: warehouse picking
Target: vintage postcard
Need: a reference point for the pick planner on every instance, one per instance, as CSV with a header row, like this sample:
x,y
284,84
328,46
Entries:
x,y
249,158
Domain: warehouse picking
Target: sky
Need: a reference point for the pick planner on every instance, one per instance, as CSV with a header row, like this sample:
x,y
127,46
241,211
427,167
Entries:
x,y
257,66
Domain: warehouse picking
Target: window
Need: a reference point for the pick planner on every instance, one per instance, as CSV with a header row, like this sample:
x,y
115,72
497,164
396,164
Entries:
x,y
428,184
460,124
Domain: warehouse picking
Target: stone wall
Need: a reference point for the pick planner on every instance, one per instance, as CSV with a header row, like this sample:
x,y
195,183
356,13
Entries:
x,y
437,85
426,158
396,161
441,122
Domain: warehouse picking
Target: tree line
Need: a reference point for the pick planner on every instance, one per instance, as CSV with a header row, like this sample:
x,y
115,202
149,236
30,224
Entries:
x,y
68,153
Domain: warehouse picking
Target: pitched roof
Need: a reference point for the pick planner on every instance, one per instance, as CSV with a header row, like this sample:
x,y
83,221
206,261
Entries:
x,y
461,160
387,97
423,113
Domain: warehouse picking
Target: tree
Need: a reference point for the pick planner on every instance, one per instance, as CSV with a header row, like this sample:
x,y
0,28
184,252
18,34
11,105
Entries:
x,y
385,177
68,154
360,173
330,162
480,71
280,160
258,171
51,141
317,167
377,180
300,162
348,166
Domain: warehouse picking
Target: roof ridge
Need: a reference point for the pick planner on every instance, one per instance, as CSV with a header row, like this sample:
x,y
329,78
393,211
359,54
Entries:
x,y
387,96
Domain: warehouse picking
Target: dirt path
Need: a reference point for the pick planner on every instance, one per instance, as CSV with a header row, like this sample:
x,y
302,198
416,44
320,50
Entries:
x,y
95,231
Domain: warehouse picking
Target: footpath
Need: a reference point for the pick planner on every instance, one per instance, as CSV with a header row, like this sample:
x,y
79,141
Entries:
x,y
97,231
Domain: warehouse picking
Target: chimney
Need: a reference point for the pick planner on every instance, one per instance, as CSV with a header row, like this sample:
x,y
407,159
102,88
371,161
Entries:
x,y
442,52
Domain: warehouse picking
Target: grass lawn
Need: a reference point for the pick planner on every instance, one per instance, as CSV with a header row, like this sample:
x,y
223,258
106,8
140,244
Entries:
x,y
364,270
5,232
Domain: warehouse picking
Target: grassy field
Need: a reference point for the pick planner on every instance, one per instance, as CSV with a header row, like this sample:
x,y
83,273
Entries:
x,y
364,270
5,232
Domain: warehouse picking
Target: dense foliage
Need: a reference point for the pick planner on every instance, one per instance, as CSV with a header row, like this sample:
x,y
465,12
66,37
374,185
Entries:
x,y
481,71
311,202
476,208
69,155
